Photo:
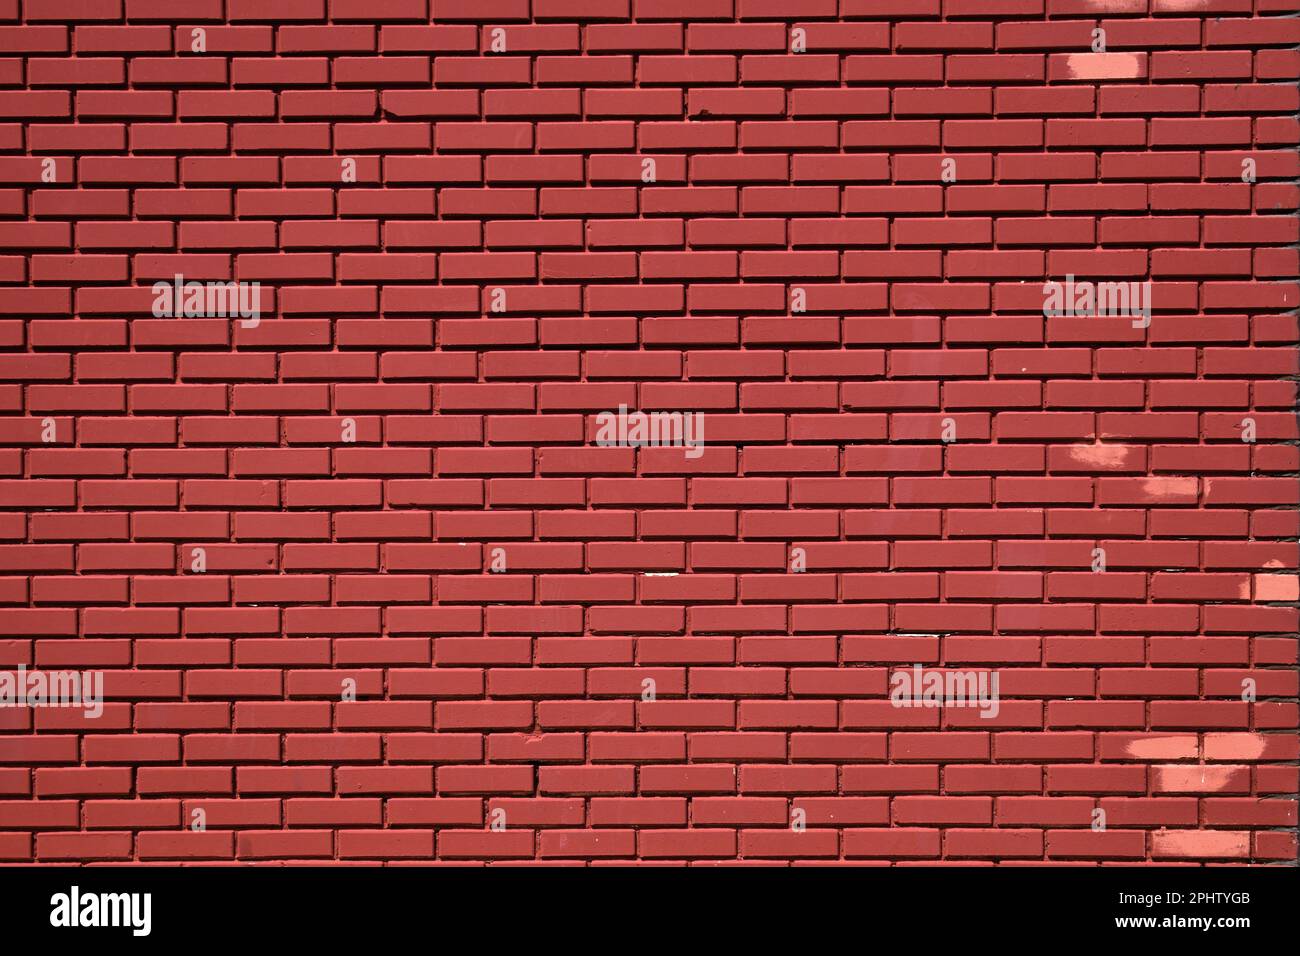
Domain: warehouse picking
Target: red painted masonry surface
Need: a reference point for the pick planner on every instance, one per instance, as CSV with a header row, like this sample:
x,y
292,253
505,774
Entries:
x,y
565,651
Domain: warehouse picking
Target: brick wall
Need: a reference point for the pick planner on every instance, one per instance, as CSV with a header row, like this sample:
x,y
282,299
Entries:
x,y
365,582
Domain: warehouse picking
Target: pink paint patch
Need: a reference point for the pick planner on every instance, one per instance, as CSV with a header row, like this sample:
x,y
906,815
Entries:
x,y
1167,488
1200,843
1099,456
1201,778
1277,587
1178,6
1106,66
1163,748
1234,746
